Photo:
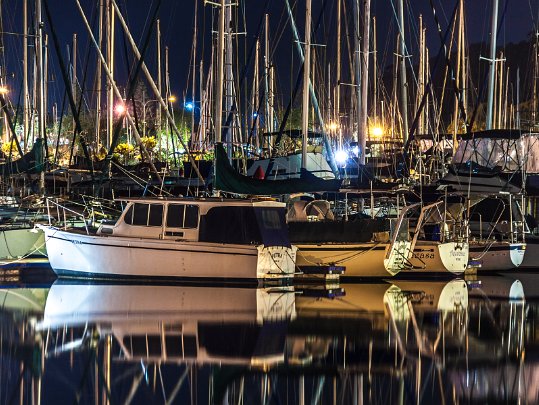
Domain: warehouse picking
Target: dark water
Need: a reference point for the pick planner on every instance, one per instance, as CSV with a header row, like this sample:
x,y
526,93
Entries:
x,y
410,342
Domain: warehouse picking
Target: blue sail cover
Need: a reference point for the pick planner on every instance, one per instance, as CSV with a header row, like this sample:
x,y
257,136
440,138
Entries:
x,y
272,225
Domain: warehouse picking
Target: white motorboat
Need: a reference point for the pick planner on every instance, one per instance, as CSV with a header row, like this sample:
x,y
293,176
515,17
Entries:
x,y
179,238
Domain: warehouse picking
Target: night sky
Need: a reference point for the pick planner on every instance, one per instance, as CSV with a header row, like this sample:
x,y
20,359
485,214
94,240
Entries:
x,y
177,28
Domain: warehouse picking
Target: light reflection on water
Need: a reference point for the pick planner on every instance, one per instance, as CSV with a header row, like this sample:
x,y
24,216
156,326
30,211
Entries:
x,y
387,342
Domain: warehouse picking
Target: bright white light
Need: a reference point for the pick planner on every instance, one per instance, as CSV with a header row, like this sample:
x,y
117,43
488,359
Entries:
x,y
341,157
120,109
355,150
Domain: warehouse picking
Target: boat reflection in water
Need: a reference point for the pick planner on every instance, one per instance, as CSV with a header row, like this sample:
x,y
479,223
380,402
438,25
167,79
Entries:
x,y
400,342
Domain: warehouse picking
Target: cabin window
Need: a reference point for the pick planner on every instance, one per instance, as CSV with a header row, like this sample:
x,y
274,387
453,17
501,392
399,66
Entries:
x,y
182,216
144,215
155,218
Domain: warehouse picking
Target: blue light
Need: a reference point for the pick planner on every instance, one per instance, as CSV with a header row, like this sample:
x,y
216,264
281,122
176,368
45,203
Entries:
x,y
189,106
341,157
255,114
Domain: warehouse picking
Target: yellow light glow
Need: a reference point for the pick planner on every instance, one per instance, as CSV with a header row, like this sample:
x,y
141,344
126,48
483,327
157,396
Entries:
x,y
4,90
377,131
333,126
172,99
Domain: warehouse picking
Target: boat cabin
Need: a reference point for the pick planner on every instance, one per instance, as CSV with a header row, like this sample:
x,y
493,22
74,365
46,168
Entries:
x,y
247,222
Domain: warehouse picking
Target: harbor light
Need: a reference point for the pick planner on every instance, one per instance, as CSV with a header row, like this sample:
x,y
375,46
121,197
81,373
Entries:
x,y
341,157
120,109
376,131
4,90
172,99
333,126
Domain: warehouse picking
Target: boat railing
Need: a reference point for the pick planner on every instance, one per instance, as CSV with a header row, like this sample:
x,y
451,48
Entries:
x,y
62,213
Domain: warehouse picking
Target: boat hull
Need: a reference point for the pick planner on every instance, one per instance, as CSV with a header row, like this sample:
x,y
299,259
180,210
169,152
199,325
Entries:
x,y
435,257
81,255
359,259
497,256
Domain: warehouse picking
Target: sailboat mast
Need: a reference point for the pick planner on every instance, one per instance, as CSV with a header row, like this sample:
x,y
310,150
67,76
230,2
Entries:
x,y
220,73
110,76
404,80
194,71
365,79
306,76
338,76
159,78
41,79
26,103
492,62
357,65
229,80
99,78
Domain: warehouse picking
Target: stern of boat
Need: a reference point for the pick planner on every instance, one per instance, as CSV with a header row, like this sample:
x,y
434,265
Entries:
x,y
397,258
516,252
276,262
454,256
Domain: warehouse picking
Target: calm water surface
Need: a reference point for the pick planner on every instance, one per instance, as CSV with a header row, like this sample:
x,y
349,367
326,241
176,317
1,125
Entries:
x,y
407,342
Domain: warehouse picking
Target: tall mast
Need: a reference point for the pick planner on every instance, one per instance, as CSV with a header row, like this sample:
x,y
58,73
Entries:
x,y
26,102
74,73
255,98
404,82
159,79
267,80
338,76
194,71
492,62
41,80
110,76
99,78
218,118
229,81
306,76
364,79
375,70
357,64
421,75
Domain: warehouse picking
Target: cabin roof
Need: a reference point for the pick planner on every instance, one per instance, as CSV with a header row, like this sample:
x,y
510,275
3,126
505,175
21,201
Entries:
x,y
204,201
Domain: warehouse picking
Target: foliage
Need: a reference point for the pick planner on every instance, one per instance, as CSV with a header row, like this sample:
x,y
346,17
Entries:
x,y
10,148
124,152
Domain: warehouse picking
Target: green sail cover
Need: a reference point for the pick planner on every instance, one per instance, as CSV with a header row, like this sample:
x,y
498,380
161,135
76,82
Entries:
x,y
31,162
228,179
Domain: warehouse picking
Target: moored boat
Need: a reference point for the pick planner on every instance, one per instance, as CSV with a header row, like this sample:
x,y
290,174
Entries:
x,y
219,239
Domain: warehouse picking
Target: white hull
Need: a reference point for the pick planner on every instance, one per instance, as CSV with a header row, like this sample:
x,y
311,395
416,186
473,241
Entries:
x,y
17,243
497,256
74,254
435,257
